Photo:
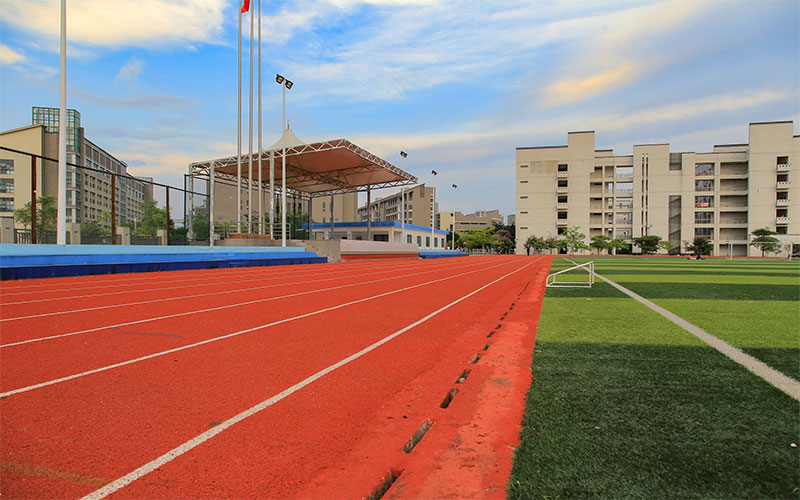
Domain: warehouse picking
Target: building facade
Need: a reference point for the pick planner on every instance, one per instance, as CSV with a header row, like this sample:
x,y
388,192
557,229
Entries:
x,y
723,195
419,201
88,192
470,222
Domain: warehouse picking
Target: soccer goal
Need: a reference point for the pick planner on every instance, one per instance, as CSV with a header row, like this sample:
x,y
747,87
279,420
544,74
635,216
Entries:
x,y
553,279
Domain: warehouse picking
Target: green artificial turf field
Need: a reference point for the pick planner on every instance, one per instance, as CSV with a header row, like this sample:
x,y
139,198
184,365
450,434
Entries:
x,y
625,404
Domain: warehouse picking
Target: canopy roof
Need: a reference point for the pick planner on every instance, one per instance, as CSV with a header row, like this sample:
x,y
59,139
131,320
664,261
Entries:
x,y
320,168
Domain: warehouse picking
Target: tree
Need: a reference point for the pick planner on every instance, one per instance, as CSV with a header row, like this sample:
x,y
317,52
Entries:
x,y
764,241
154,218
46,214
650,243
536,243
618,244
574,239
478,239
601,242
504,242
700,246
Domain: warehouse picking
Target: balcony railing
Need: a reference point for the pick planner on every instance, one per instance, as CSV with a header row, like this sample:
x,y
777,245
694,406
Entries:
x,y
782,202
562,204
783,184
782,220
783,167
561,189
562,173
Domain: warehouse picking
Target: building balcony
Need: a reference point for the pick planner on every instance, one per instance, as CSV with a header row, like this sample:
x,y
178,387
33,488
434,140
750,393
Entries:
x,y
782,220
783,167
733,175
562,189
732,208
561,222
783,184
562,205
562,174
782,202
733,223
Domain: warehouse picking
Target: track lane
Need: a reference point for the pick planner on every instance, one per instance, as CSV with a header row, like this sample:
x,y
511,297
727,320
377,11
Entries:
x,y
136,408
78,356
29,329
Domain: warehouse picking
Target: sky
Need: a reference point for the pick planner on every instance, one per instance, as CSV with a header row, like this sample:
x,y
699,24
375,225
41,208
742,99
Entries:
x,y
458,85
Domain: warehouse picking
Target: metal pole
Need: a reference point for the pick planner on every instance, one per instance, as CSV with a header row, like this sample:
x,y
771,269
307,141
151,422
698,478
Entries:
x,y
250,143
239,132
332,226
260,181
114,208
33,200
283,169
369,214
211,205
61,234
271,193
433,206
167,215
454,217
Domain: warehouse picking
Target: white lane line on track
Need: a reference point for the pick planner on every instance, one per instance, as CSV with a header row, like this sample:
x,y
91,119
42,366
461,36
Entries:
x,y
181,297
228,306
212,275
165,299
202,438
240,332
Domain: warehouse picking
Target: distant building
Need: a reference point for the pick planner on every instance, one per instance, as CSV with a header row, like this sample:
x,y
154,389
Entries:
x,y
723,195
511,219
389,231
88,192
471,222
418,203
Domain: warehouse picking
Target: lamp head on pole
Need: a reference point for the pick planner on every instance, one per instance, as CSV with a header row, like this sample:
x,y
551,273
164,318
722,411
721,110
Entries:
x,y
289,84
280,79
433,172
403,154
454,186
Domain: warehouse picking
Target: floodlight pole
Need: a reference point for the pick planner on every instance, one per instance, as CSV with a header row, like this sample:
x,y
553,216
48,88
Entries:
x,y
61,226
454,216
211,205
284,83
403,201
433,206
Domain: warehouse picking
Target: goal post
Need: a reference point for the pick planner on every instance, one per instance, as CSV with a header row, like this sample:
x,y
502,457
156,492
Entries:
x,y
553,278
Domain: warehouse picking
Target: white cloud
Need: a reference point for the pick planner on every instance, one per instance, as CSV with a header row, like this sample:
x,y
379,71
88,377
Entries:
x,y
621,53
121,23
130,71
9,55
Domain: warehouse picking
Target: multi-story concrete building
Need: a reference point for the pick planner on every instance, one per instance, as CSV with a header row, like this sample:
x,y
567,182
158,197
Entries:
x,y
88,192
722,195
470,222
418,202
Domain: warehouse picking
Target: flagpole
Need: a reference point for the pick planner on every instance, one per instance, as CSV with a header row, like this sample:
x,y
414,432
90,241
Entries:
x,y
61,226
239,132
250,143
260,182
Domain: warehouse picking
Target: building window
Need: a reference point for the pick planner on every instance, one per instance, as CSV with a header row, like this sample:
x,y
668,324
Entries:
x,y
435,243
523,182
7,186
783,160
523,197
704,232
7,167
323,206
562,167
704,217
625,187
6,204
419,241
562,183
704,169
704,185
409,238
523,166
703,201
624,172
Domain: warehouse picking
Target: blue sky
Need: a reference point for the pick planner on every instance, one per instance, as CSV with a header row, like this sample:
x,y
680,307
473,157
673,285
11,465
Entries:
x,y
458,85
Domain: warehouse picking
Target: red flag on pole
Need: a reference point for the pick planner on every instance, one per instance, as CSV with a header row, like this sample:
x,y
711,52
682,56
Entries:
x,y
245,6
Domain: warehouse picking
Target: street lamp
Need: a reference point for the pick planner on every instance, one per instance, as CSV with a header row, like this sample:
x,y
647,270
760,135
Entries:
x,y
403,201
285,84
454,216
433,206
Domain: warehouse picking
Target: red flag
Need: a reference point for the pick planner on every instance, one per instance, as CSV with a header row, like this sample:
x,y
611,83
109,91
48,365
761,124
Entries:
x,y
245,6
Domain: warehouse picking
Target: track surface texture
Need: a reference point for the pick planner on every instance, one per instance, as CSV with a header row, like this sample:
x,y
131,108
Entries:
x,y
401,379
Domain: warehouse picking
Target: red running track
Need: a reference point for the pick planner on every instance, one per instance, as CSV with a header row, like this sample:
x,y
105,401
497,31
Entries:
x,y
294,382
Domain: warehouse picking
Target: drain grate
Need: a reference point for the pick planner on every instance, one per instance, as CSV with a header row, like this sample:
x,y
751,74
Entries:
x,y
383,486
417,436
448,398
